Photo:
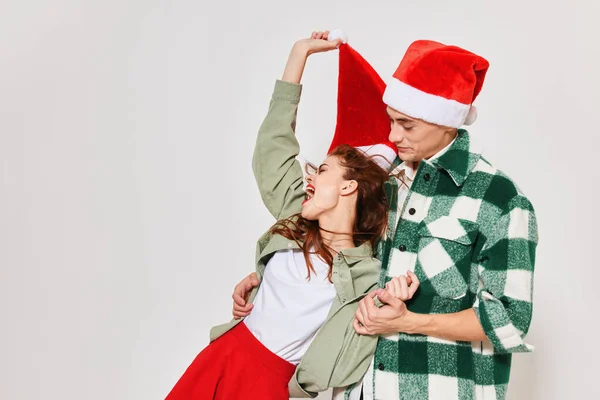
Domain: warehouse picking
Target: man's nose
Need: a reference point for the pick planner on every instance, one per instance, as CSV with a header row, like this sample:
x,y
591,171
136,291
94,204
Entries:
x,y
396,135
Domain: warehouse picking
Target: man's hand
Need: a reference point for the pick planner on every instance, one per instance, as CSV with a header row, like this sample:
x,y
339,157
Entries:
x,y
372,320
392,317
241,294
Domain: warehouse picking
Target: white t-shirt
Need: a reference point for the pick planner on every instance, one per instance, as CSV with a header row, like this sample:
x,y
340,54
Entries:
x,y
289,309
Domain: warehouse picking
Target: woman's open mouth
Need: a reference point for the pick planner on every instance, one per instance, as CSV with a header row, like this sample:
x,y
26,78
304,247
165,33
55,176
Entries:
x,y
310,192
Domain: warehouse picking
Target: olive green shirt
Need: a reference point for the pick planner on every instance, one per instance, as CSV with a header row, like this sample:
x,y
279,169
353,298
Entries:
x,y
337,356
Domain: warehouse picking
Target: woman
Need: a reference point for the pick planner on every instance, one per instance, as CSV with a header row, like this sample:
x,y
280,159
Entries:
x,y
314,264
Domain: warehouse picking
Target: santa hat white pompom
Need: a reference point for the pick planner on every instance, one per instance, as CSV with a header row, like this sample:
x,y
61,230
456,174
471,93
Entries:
x,y
337,34
472,115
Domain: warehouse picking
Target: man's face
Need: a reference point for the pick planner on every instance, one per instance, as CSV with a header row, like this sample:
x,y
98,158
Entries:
x,y
416,139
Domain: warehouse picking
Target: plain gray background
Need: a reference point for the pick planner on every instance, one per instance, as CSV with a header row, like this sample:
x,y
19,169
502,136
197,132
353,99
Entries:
x,y
128,209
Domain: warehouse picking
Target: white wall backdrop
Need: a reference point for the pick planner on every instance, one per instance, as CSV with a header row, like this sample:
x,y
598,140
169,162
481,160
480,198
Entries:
x,y
128,208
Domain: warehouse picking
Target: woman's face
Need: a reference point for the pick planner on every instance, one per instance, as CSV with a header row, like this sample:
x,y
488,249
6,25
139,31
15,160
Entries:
x,y
324,189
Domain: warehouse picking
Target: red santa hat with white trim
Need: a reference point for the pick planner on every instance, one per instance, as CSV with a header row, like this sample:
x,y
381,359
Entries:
x,y
437,83
362,121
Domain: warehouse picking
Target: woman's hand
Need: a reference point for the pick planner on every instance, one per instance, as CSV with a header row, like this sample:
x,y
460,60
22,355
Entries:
x,y
403,287
391,317
372,319
317,43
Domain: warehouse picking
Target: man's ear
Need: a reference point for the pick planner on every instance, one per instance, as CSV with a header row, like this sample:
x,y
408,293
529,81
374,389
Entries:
x,y
349,187
451,131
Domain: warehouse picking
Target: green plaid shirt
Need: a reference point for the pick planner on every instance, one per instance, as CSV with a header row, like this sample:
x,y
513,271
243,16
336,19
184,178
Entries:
x,y
470,235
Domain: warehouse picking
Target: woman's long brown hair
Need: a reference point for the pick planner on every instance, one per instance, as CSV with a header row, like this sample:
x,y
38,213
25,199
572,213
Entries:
x,y
371,209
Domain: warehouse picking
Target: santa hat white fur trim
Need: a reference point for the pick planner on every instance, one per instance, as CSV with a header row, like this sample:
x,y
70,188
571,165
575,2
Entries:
x,y
383,155
472,115
428,107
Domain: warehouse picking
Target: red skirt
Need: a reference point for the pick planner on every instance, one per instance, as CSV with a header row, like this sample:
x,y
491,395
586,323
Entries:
x,y
235,366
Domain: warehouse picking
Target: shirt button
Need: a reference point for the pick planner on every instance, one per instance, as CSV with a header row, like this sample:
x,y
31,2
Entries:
x,y
381,367
412,211
427,177
402,248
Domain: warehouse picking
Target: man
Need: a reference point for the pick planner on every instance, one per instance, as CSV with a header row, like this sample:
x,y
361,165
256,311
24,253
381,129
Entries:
x,y
465,230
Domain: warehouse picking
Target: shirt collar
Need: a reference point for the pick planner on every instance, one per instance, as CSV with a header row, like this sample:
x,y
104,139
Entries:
x,y
404,169
458,159
356,254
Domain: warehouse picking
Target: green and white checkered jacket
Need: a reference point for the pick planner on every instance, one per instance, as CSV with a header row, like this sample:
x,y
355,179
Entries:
x,y
470,235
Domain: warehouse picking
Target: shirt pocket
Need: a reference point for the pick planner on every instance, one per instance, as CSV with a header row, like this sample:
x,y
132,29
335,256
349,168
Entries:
x,y
444,256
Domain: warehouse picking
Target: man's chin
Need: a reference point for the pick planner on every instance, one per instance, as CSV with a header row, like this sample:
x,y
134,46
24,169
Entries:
x,y
405,152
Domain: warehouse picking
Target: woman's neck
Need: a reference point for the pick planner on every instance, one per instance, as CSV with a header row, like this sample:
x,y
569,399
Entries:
x,y
337,232
337,241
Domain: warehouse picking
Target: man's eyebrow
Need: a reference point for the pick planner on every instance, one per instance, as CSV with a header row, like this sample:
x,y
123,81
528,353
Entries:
x,y
400,119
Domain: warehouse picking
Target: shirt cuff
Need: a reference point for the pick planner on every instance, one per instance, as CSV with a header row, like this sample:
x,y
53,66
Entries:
x,y
287,91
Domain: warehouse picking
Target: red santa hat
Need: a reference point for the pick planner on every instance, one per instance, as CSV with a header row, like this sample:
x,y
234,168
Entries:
x,y
437,83
362,121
